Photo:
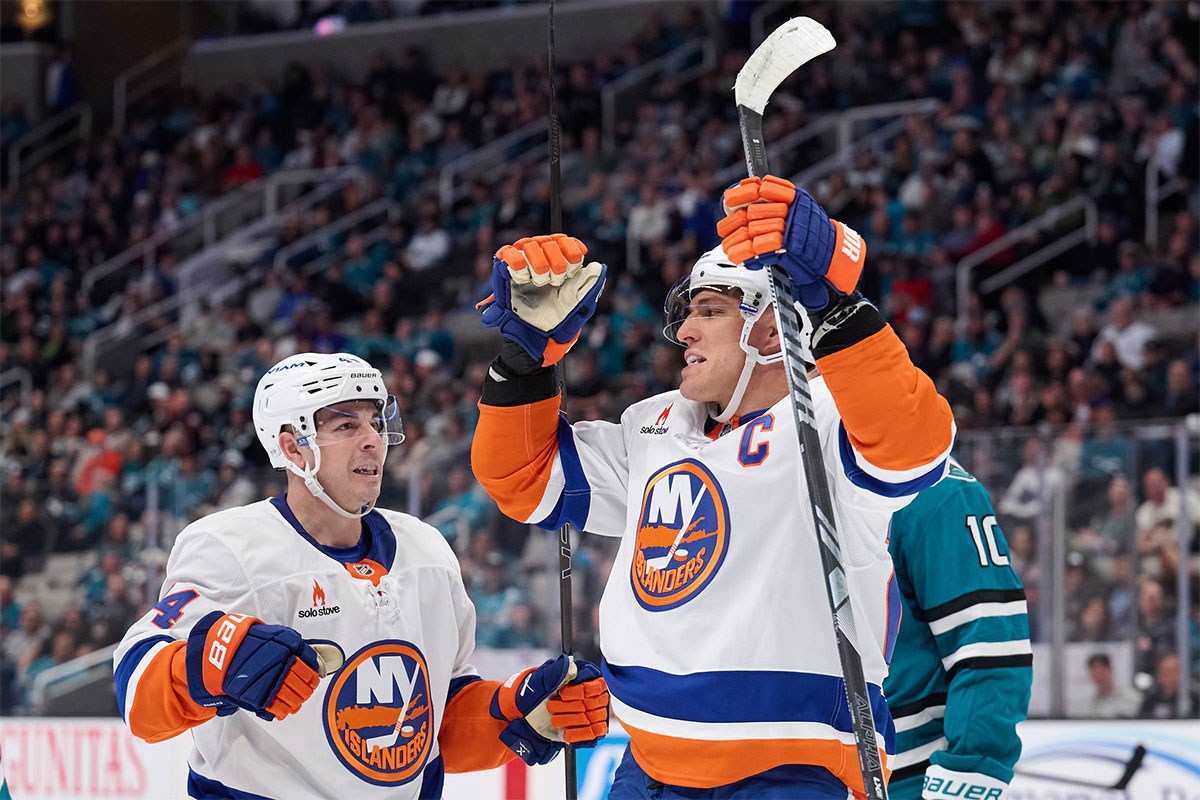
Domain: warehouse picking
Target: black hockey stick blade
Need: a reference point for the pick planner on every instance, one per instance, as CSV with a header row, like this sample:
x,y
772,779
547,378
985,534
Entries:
x,y
1122,784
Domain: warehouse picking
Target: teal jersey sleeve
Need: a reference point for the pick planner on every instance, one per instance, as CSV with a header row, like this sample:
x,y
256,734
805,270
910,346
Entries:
x,y
960,676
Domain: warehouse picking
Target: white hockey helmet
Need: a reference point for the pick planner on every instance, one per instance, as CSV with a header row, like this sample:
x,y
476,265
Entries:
x,y
293,391
714,270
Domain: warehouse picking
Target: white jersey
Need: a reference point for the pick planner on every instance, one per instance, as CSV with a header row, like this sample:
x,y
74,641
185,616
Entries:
x,y
718,645
395,606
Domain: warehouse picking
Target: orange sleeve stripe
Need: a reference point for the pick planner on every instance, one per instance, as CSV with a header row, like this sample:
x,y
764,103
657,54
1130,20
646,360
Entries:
x,y
161,706
892,412
709,763
469,736
512,453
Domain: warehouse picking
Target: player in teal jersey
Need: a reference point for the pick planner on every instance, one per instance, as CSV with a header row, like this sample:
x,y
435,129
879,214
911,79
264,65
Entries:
x,y
961,671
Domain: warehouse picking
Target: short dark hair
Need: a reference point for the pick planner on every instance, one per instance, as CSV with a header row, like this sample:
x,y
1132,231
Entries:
x,y
1099,658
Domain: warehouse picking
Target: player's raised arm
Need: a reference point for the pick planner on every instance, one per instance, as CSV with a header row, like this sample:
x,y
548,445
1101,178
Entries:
x,y
896,430
533,464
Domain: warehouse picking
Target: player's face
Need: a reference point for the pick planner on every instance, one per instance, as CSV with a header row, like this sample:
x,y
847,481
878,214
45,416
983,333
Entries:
x,y
352,453
713,358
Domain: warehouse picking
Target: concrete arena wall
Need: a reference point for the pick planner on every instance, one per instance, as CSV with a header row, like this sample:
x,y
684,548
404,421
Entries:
x,y
483,40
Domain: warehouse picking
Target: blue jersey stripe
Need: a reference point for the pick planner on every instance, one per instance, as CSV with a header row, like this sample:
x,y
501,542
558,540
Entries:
x,y
457,685
202,787
576,499
433,777
743,696
130,663
883,488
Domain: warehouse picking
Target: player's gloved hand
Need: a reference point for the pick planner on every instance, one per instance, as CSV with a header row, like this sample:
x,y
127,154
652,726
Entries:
x,y
563,700
542,294
236,661
769,221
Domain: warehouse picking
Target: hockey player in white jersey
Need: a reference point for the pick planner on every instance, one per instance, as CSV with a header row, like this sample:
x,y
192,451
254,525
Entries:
x,y
714,625
317,646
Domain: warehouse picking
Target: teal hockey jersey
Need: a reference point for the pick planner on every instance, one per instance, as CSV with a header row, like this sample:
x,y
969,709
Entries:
x,y
961,671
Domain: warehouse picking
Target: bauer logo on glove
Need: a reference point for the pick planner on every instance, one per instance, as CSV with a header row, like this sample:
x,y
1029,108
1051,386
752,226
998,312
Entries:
x,y
542,294
768,220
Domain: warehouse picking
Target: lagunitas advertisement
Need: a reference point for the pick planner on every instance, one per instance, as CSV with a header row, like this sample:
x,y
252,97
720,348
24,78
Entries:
x,y
97,759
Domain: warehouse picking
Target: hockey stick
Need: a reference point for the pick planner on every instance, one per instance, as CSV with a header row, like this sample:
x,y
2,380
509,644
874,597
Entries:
x,y
1131,767
791,45
565,600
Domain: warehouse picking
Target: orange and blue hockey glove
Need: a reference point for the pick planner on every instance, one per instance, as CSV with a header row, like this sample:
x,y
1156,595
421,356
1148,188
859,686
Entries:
x,y
768,220
236,661
542,294
562,701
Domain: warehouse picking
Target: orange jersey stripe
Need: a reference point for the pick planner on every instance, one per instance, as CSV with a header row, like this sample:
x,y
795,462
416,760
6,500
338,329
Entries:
x,y
892,412
513,452
161,706
469,736
705,764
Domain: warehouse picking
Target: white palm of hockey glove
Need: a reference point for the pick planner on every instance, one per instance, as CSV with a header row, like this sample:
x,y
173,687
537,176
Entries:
x,y
542,294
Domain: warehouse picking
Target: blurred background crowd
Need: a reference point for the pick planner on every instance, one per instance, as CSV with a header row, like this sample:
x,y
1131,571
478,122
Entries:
x,y
1070,384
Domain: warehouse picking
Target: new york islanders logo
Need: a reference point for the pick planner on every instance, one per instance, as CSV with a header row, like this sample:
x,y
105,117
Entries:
x,y
378,715
682,536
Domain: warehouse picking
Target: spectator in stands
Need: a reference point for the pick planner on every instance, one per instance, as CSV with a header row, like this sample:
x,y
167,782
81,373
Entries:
x,y
1112,530
1162,699
1164,503
23,546
10,609
1156,626
1110,700
1128,334
495,600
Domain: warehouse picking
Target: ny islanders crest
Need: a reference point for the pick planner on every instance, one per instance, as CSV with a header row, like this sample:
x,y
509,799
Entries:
x,y
378,714
682,535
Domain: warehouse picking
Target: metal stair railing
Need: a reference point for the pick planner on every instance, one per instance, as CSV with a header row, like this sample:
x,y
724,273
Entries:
x,y
211,267
385,210
1155,193
841,124
89,668
1080,204
848,146
47,139
201,224
386,207
487,161
162,67
21,377
615,94
220,218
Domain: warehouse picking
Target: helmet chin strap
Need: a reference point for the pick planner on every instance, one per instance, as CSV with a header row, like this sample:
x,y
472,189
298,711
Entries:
x,y
752,358
318,491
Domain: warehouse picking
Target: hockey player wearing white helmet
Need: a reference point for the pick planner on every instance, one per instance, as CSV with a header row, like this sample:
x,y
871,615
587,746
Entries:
x,y
714,624
318,646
